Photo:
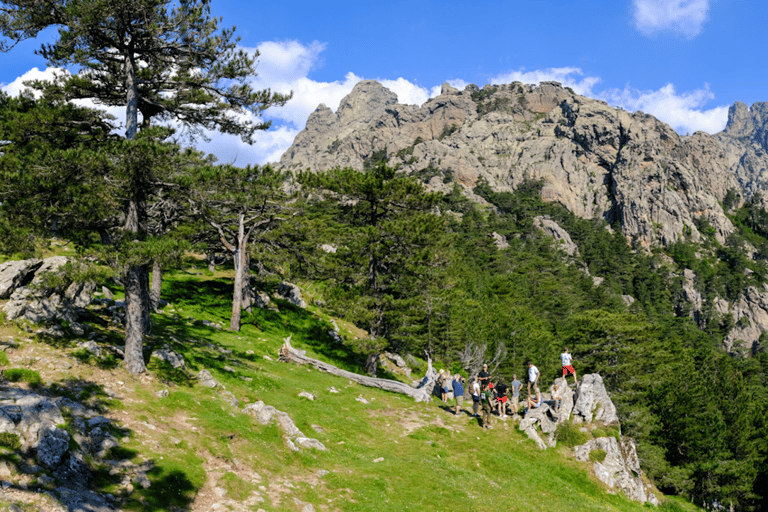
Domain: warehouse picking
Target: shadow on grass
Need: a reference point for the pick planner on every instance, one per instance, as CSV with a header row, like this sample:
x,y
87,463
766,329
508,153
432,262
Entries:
x,y
308,332
170,490
209,294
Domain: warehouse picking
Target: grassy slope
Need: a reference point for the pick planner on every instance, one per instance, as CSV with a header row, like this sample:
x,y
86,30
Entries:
x,y
389,454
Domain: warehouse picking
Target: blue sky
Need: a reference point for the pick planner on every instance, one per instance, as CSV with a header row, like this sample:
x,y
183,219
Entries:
x,y
684,61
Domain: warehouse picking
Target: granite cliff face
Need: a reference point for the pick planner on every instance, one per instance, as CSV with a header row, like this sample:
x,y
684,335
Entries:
x,y
598,161
628,168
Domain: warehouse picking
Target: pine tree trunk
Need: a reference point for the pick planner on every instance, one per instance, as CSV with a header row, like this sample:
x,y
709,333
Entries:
x,y
157,284
247,297
134,334
134,304
211,261
146,307
240,273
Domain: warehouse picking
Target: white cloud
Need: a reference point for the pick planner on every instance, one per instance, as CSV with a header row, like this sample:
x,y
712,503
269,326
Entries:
x,y
569,77
683,16
284,66
683,111
17,86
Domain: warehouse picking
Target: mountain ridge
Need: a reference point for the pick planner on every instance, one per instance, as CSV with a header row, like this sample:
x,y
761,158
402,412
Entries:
x,y
629,169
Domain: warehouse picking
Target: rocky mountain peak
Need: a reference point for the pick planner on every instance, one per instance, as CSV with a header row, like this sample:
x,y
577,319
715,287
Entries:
x,y
598,161
365,103
749,124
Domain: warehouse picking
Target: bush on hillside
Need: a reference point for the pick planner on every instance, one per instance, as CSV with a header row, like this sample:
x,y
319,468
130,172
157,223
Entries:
x,y
31,377
570,435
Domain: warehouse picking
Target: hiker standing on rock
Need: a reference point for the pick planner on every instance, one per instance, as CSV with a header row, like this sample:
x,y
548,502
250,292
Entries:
x,y
533,378
565,357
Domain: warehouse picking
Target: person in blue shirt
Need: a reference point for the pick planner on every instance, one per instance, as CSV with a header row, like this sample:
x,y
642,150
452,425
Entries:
x,y
458,392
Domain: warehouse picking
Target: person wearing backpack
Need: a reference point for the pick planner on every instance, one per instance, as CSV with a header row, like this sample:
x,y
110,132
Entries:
x,y
486,402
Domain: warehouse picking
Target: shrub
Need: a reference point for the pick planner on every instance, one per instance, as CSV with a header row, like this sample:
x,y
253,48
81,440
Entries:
x,y
570,435
597,456
670,506
599,432
4,359
11,441
23,375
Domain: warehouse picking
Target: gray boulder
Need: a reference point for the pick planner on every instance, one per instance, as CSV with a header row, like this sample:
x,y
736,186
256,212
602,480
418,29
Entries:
x,y
206,379
261,411
593,402
14,273
73,471
39,302
54,443
620,469
38,415
170,356
291,293
561,236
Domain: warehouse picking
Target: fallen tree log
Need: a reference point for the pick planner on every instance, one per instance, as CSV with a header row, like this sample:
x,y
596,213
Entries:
x,y
420,394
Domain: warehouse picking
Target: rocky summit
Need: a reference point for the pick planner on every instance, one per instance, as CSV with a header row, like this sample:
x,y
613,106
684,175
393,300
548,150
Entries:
x,y
630,169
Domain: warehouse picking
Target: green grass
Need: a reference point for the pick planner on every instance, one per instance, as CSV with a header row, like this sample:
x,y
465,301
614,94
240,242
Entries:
x,y
31,377
426,459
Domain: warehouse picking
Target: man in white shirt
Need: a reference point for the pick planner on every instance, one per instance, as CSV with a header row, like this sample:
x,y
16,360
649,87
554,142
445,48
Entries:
x,y
533,377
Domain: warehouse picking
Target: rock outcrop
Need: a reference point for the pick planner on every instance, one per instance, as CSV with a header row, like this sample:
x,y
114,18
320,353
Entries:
x,y
589,405
57,457
593,402
37,298
596,160
620,469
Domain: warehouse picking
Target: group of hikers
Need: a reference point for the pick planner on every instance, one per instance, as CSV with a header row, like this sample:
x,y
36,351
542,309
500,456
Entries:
x,y
500,397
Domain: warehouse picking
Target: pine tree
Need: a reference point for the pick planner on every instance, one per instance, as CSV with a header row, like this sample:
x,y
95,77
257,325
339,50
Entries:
x,y
240,206
169,63
386,249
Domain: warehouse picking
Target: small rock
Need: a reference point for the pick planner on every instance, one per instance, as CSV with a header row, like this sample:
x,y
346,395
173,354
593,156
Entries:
x,y
333,390
307,395
229,369
362,400
268,358
163,393
322,473
380,459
